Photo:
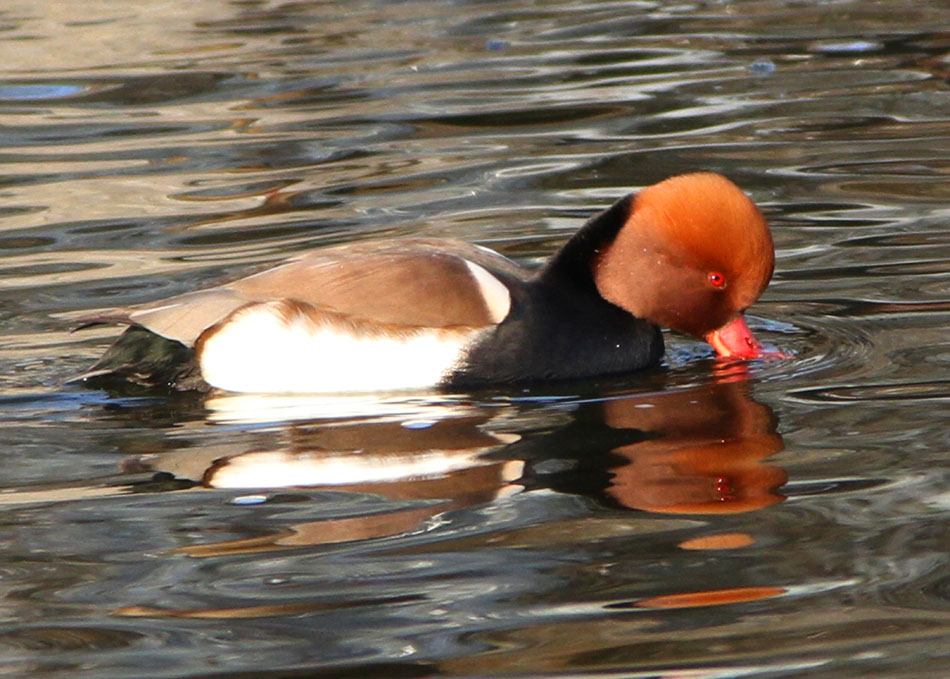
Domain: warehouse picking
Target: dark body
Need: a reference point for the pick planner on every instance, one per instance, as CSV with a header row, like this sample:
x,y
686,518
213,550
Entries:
x,y
560,332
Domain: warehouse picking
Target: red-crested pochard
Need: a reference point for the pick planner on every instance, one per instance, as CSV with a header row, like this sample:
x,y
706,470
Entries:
x,y
690,253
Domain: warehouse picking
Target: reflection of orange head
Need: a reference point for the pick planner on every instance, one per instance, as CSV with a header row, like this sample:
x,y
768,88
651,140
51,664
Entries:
x,y
700,477
706,455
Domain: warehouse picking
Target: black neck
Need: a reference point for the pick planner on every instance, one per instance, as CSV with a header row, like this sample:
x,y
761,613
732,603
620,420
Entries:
x,y
573,263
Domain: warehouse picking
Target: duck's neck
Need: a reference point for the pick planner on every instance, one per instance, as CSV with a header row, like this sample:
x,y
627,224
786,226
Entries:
x,y
573,264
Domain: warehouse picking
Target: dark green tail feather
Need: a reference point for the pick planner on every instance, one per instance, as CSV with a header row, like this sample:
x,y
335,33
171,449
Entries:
x,y
141,357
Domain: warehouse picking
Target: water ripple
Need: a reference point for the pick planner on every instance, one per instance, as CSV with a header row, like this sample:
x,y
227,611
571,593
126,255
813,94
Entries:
x,y
229,134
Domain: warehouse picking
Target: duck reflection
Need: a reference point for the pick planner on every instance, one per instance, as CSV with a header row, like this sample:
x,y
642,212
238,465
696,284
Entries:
x,y
424,466
701,450
694,451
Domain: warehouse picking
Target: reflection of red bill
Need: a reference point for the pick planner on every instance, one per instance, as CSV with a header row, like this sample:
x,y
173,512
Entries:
x,y
735,340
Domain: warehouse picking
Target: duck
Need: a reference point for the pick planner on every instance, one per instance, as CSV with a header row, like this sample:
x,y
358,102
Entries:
x,y
691,253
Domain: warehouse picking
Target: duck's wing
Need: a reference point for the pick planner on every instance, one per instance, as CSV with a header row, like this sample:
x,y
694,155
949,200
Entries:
x,y
181,318
418,283
412,283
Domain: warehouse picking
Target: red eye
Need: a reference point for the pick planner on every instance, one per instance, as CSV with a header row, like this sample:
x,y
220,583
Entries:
x,y
716,279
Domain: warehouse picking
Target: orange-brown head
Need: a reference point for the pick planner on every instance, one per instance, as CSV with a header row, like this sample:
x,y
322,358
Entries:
x,y
692,255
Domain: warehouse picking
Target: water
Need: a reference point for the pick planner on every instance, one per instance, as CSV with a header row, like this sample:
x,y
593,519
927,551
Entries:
x,y
784,519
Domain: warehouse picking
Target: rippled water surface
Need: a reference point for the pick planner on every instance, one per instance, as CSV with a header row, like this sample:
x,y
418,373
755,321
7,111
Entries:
x,y
786,518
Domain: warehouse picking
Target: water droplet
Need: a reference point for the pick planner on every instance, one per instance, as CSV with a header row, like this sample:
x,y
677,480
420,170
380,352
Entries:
x,y
39,92
762,66
847,47
417,424
249,500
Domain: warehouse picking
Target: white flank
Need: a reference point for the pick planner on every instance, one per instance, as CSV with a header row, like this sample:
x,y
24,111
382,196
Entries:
x,y
494,292
260,350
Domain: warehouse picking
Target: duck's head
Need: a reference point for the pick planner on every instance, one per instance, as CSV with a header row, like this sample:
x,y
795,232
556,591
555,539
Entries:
x,y
692,255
